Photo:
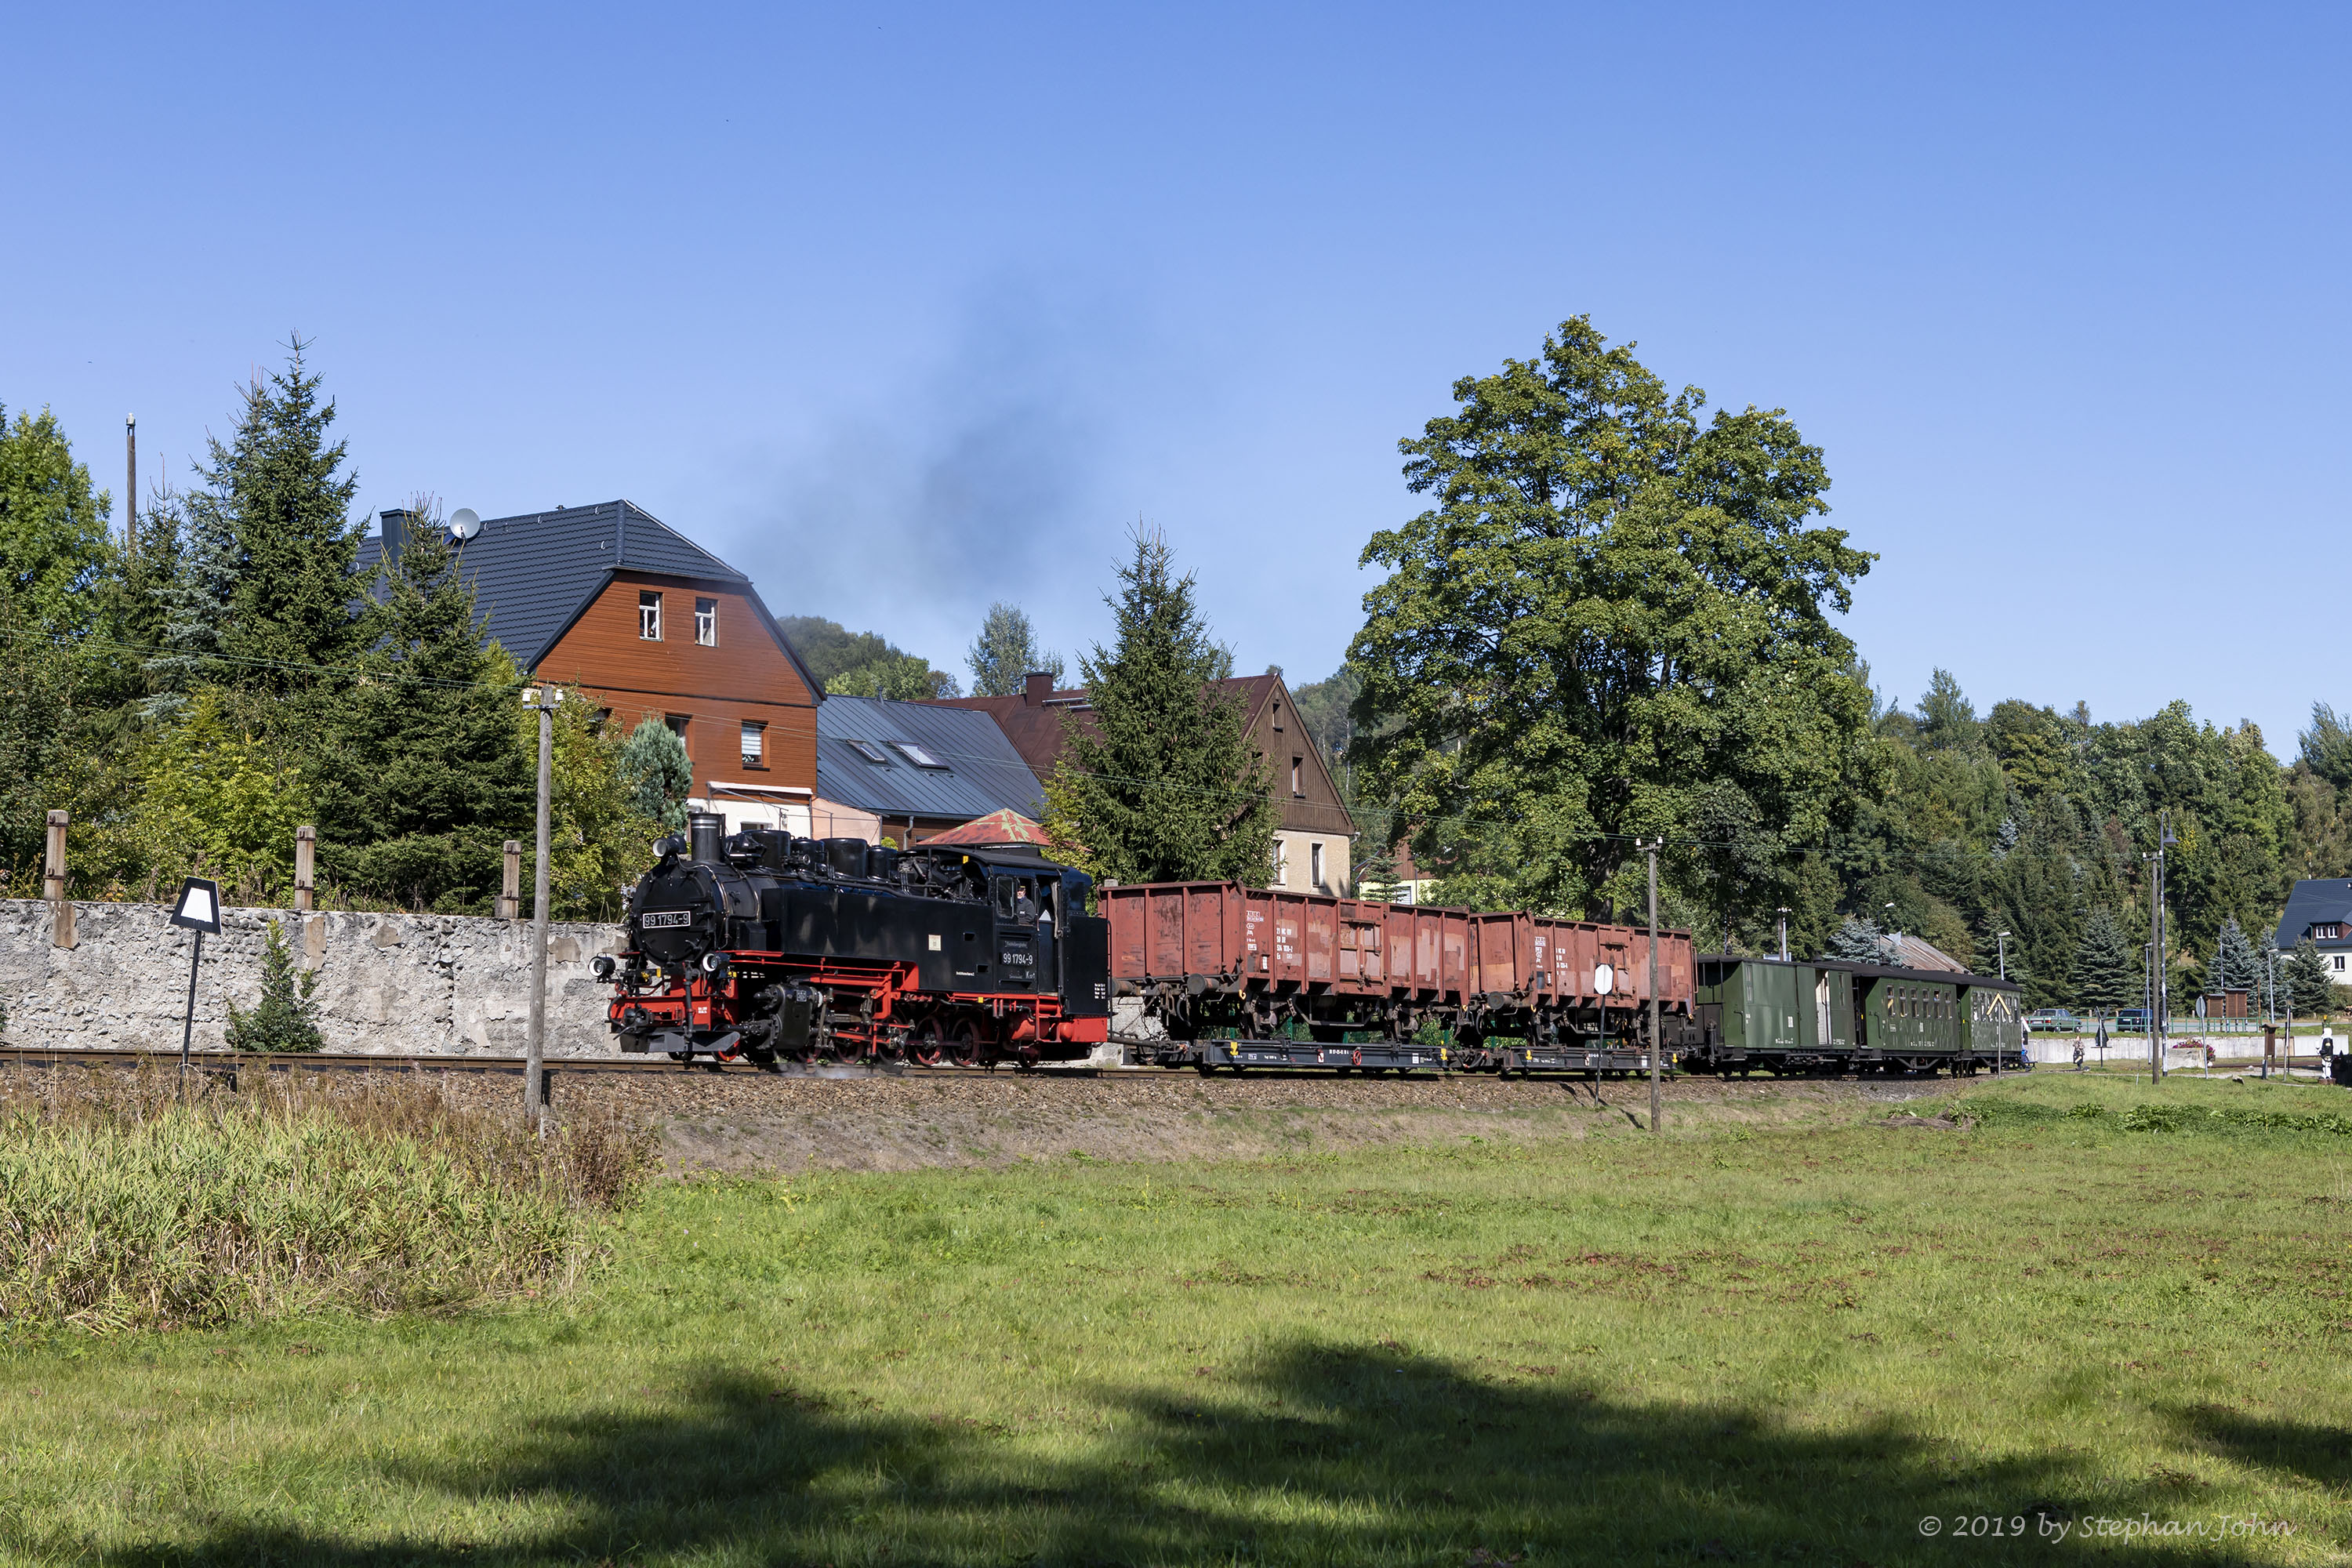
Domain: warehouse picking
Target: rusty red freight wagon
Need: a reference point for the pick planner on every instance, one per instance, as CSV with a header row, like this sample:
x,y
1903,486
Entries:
x,y
1243,977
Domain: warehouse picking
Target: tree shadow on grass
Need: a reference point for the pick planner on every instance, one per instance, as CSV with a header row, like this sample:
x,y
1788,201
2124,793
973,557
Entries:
x,y
1309,1453
2315,1452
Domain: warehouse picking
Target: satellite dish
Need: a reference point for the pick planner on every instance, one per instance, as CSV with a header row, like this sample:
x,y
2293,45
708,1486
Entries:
x,y
464,523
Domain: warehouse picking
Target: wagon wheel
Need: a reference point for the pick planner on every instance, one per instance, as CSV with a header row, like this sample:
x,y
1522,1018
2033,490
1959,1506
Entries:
x,y
963,1044
930,1043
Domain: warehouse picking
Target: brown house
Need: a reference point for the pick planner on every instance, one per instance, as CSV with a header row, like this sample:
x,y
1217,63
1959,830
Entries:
x,y
649,625
1311,849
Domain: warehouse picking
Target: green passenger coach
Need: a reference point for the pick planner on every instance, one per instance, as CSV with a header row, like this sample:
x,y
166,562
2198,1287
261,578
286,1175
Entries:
x,y
1830,1017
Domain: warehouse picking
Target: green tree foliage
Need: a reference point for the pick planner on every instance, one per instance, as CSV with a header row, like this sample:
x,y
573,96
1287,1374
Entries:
x,y
1168,786
2106,971
38,688
1615,620
425,776
1006,651
1857,940
2234,962
280,487
904,677
600,838
654,768
832,651
1323,709
54,542
2306,980
217,800
287,1017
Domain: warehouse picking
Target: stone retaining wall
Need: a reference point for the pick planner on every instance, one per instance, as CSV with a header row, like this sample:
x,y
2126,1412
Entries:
x,y
386,982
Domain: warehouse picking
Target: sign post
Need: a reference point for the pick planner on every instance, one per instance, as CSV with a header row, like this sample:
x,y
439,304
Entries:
x,y
199,911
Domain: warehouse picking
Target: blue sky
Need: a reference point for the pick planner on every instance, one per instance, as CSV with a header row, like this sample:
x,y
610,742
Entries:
x,y
904,310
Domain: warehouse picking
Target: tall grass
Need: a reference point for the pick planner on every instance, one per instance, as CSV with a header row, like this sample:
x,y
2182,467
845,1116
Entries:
x,y
125,1206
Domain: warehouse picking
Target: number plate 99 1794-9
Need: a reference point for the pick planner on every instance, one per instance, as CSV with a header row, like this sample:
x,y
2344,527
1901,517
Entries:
x,y
660,920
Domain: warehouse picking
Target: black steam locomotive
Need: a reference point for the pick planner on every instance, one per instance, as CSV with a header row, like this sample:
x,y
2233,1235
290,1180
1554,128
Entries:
x,y
771,947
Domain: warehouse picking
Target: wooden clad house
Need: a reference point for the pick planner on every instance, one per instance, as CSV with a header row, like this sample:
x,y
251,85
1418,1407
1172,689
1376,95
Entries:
x,y
649,625
1312,845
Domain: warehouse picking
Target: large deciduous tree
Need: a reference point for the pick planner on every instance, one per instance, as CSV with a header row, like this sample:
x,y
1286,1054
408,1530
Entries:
x,y
1168,786
1614,621
53,534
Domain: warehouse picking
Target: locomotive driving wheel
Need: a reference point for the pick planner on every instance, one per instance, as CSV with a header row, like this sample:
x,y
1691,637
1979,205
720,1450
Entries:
x,y
963,1044
930,1044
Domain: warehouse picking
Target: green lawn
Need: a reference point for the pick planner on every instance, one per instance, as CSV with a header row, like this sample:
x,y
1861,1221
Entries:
x,y
1745,1343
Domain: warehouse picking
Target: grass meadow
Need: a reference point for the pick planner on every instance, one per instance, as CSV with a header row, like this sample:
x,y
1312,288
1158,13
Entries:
x,y
1747,1341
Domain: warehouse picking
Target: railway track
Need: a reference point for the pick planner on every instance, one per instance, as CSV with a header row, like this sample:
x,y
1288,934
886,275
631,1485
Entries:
x,y
19,1057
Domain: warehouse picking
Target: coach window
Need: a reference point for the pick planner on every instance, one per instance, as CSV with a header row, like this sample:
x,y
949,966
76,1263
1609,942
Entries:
x,y
705,622
649,616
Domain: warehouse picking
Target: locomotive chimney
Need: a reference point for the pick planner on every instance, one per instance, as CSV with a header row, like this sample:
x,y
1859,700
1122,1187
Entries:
x,y
703,832
1036,687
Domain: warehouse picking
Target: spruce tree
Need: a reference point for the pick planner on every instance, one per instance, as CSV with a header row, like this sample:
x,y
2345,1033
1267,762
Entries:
x,y
2234,964
1167,787
287,1018
427,775
1857,940
2307,981
2107,974
274,544
1006,652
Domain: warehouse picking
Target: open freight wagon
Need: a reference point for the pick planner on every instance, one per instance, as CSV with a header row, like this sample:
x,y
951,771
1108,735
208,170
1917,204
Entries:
x,y
1259,978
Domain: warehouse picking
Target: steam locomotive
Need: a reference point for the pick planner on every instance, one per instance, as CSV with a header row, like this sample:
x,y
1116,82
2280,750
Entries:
x,y
773,947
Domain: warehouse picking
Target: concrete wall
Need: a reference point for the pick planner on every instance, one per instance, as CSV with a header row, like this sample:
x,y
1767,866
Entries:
x,y
386,982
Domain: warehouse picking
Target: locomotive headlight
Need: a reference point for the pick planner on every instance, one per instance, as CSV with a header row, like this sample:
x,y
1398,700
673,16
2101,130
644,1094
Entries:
x,y
714,963
602,966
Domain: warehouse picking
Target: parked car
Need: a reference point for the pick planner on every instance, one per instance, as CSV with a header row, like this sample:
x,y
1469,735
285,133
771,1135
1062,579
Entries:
x,y
2131,1021
2052,1021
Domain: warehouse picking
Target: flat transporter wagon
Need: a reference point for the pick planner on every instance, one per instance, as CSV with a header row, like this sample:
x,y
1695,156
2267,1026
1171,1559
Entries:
x,y
1243,977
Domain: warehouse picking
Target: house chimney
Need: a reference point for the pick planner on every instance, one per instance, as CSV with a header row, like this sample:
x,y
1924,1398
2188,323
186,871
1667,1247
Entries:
x,y
395,531
1036,687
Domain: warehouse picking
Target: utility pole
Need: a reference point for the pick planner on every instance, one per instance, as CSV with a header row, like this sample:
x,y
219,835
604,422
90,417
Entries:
x,y
2157,984
2000,938
541,698
130,486
1657,1040
1784,933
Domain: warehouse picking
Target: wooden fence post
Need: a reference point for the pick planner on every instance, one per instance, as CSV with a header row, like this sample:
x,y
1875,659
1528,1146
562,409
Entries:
x,y
510,885
306,856
53,884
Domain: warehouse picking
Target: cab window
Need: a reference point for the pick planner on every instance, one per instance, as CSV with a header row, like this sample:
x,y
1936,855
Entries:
x,y
1004,897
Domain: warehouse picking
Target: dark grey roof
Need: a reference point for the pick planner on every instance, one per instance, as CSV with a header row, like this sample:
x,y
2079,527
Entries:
x,y
532,575
983,773
2325,900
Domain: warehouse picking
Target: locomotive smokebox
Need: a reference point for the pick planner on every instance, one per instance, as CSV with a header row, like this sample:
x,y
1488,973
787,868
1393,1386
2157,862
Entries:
x,y
704,832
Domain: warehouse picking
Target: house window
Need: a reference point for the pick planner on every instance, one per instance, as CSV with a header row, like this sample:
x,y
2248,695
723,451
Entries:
x,y
1314,865
869,751
1298,771
2339,961
755,739
1277,716
1281,864
677,722
918,755
649,618
705,622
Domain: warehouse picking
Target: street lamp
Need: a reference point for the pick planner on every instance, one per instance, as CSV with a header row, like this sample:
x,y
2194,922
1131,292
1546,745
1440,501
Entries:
x,y
1784,933
541,700
1894,938
2001,938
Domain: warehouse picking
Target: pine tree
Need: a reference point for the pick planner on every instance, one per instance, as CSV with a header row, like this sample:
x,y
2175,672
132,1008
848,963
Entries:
x,y
1857,940
287,1018
657,773
2306,979
427,774
1006,652
2106,973
1167,787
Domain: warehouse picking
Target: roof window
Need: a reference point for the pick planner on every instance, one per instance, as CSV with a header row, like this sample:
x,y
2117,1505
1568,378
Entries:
x,y
918,755
869,751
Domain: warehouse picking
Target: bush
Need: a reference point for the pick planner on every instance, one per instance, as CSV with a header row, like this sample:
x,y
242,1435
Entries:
x,y
287,1017
123,1207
